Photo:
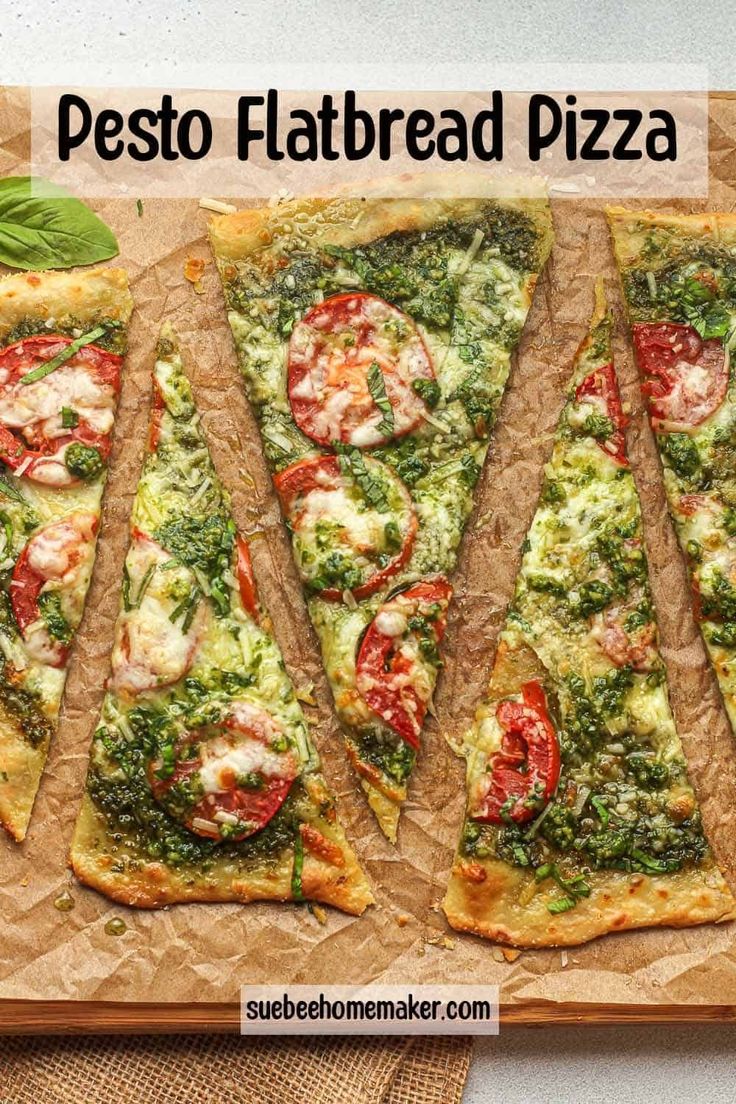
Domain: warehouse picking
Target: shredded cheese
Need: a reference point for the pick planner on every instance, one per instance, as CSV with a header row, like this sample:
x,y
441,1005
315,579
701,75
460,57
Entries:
x,y
217,206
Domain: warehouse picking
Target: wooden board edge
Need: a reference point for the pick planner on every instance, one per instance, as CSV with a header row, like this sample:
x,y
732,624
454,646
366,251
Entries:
x,y
31,1017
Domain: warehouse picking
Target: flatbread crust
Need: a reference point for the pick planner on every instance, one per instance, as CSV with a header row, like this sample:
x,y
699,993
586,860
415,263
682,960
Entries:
x,y
254,238
83,298
103,856
497,900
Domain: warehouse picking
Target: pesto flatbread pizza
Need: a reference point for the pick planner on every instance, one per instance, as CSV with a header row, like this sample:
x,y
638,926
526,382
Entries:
x,y
679,280
580,817
203,784
62,338
375,339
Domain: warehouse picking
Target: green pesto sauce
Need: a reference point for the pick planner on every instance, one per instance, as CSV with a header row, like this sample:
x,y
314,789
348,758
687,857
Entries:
x,y
205,543
682,280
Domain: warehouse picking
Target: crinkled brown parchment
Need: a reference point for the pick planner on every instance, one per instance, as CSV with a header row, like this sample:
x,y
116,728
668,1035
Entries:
x,y
205,952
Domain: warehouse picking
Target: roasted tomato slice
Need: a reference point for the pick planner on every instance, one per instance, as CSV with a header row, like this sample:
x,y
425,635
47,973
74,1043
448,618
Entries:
x,y
165,616
353,362
524,772
685,377
227,781
343,539
599,389
49,584
398,658
246,580
74,404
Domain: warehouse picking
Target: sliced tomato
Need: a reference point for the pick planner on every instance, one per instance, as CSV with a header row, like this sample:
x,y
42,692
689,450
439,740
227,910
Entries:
x,y
394,676
338,534
246,579
525,771
600,389
685,377
353,361
238,774
56,558
33,438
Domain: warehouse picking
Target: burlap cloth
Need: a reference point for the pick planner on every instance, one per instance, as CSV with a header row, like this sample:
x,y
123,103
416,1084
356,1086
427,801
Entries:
x,y
206,1069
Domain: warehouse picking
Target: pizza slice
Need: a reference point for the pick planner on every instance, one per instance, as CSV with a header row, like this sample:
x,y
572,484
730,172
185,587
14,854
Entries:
x,y
580,817
62,338
375,339
679,280
203,783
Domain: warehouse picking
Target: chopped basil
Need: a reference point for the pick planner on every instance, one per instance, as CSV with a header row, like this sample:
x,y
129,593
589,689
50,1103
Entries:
x,y
428,391
71,350
353,465
377,388
562,904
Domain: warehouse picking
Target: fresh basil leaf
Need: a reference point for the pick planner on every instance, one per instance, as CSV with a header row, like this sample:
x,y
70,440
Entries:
x,y
43,226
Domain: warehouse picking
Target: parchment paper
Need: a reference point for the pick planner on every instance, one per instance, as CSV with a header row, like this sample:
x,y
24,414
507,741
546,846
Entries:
x,y
205,952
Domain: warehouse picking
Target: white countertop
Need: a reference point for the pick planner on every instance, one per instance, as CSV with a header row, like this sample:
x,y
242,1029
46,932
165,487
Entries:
x,y
679,1064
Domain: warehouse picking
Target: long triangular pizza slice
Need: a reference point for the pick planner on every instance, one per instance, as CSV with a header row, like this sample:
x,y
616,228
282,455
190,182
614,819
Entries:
x,y
580,817
62,336
203,783
679,280
375,339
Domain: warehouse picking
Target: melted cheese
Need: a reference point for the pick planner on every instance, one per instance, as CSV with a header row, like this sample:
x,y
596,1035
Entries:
x,y
150,649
